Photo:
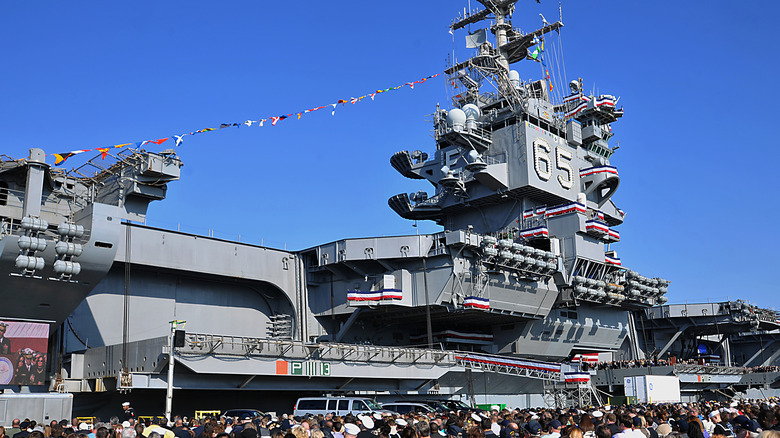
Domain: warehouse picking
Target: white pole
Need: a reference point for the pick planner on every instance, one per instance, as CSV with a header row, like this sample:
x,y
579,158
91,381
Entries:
x,y
169,394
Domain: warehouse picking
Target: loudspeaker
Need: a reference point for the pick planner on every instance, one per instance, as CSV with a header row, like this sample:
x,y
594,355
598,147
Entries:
x,y
178,338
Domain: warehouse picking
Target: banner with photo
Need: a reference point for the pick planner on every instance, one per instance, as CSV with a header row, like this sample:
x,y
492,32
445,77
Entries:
x,y
23,352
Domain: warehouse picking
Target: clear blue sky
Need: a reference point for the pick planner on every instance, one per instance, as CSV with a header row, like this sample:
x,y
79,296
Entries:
x,y
698,154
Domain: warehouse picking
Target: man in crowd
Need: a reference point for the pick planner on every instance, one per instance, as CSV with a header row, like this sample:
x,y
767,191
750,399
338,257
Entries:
x,y
5,344
554,429
127,412
612,423
717,425
14,429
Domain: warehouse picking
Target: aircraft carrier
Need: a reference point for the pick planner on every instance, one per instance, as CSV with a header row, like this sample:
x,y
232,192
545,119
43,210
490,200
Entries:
x,y
522,279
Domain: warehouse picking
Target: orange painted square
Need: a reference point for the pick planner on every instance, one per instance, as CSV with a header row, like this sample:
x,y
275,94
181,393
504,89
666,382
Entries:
x,y
281,367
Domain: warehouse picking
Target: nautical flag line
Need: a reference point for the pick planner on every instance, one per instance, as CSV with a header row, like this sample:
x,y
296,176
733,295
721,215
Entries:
x,y
62,157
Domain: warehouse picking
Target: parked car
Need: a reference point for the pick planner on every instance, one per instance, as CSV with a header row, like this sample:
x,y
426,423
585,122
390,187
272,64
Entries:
x,y
437,405
339,405
404,407
457,405
253,413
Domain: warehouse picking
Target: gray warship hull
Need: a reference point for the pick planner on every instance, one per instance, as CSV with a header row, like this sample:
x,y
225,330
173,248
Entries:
x,y
495,308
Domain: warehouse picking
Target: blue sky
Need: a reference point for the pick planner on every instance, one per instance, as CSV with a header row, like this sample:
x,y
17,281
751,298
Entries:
x,y
698,149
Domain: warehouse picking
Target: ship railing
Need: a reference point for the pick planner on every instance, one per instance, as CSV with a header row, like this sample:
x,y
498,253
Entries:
x,y
707,369
510,366
433,200
11,198
12,206
495,159
201,344
109,164
208,344
482,133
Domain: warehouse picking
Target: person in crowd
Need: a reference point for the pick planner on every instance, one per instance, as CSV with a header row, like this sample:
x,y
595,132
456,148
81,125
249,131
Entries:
x,y
553,429
127,412
587,427
695,428
15,428
611,422
603,431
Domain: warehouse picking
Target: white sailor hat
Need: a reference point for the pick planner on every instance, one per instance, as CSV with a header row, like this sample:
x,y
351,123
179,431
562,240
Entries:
x,y
367,421
125,404
351,429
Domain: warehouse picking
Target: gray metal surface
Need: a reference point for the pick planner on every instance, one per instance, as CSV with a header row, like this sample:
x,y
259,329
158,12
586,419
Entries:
x,y
523,268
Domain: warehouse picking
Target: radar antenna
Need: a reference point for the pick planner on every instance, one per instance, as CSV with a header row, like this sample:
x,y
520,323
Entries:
x,y
511,45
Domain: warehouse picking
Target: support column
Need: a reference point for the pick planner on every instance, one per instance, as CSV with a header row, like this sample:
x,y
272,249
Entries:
x,y
671,341
726,349
771,358
352,318
761,349
633,337
36,166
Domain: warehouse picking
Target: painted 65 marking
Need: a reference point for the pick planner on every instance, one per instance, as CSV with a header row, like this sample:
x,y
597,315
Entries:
x,y
543,163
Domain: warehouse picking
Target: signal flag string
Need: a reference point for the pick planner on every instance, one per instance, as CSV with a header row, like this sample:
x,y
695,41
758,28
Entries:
x,y
61,157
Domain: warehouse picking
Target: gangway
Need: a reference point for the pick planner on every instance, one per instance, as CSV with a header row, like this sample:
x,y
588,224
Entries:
x,y
209,344
547,371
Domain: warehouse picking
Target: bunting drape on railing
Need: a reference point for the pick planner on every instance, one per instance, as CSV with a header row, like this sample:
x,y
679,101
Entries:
x,y
61,157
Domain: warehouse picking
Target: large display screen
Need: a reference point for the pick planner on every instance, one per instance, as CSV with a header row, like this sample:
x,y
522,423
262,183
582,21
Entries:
x,y
23,352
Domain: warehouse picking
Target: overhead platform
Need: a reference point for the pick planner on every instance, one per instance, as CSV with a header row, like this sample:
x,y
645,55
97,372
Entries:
x,y
709,318
726,333
209,361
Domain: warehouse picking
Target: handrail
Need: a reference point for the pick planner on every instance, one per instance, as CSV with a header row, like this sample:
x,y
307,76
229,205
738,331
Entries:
x,y
208,344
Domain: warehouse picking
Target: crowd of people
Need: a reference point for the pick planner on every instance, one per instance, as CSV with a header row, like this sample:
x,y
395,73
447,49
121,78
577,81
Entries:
x,y
770,369
643,363
747,419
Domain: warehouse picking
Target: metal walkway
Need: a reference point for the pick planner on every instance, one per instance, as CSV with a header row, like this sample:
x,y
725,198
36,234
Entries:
x,y
206,344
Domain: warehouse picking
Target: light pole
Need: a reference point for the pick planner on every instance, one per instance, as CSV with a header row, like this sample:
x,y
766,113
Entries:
x,y
169,395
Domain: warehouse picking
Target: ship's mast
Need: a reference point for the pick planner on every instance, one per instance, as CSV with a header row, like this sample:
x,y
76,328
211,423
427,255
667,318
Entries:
x,y
500,10
512,46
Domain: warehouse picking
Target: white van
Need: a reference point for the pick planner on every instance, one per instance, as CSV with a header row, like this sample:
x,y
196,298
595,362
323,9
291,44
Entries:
x,y
340,405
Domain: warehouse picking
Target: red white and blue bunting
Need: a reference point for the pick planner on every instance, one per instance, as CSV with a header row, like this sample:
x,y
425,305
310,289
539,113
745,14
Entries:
x,y
575,98
573,207
576,377
472,302
577,103
591,358
379,295
606,100
576,110
599,169
612,260
534,232
596,227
